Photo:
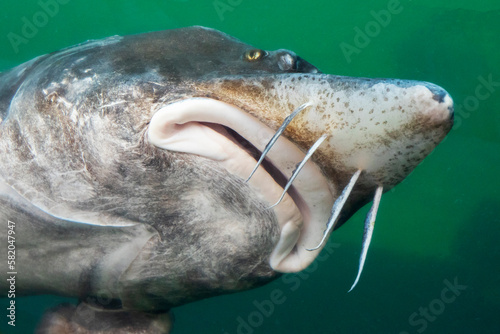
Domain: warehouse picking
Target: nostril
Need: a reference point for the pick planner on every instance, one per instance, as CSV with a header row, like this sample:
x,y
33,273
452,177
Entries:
x,y
287,62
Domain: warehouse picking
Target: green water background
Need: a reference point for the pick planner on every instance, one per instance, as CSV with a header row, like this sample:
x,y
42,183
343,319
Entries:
x,y
440,225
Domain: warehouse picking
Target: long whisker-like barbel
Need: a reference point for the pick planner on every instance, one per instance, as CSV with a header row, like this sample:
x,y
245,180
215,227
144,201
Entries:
x,y
368,232
299,166
278,133
337,208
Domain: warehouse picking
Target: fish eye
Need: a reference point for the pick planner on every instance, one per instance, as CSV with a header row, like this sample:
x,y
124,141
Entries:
x,y
254,55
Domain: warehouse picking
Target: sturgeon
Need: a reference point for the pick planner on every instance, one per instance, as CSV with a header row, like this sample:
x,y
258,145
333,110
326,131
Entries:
x,y
144,172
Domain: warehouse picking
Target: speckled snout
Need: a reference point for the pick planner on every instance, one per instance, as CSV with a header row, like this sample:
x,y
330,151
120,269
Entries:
x,y
383,126
366,136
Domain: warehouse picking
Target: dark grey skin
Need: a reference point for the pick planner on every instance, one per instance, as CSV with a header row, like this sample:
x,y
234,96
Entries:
x,y
141,184
132,229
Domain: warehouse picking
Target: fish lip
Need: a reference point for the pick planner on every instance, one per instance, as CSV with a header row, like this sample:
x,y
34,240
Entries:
x,y
302,217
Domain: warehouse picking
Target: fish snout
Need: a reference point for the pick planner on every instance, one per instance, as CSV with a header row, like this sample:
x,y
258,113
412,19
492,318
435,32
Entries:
x,y
431,106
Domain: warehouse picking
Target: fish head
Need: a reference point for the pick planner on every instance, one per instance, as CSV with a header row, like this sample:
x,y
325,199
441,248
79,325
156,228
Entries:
x,y
382,128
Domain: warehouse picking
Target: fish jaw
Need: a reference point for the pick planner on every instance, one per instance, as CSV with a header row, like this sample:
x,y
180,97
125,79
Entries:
x,y
197,126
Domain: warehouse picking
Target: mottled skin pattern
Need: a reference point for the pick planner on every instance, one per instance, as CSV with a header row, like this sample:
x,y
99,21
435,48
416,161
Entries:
x,y
166,228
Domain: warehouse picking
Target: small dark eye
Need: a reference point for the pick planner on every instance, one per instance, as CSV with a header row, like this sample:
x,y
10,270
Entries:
x,y
254,55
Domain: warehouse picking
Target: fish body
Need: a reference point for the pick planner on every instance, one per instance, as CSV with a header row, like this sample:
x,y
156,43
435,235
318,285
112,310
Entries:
x,y
144,172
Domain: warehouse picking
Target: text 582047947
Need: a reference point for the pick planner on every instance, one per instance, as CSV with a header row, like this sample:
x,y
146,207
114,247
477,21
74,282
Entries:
x,y
11,273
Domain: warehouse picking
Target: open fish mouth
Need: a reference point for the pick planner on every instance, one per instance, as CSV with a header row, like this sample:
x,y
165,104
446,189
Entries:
x,y
236,139
353,160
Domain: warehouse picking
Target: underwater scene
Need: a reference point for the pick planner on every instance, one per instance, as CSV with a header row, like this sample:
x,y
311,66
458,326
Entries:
x,y
434,261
